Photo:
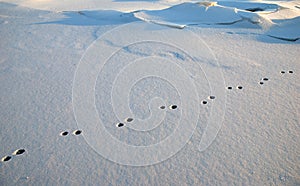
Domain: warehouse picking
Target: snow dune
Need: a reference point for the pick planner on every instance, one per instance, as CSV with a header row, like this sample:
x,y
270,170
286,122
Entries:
x,y
197,13
225,13
266,16
286,30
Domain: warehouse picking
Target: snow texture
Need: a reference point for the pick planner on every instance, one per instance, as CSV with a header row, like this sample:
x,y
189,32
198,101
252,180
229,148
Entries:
x,y
248,56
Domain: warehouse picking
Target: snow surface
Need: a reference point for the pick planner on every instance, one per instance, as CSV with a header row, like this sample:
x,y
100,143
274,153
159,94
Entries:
x,y
252,47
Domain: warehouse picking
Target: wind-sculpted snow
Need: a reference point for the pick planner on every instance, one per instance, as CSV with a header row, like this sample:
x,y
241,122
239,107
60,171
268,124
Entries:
x,y
251,6
229,13
94,17
288,30
199,13
275,20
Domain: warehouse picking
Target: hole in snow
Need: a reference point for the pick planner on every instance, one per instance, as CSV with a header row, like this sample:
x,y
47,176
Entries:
x,y
120,125
19,152
173,107
212,97
162,107
129,119
77,132
64,133
6,158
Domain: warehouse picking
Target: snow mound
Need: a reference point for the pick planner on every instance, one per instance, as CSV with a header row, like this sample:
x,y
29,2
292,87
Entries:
x,y
252,6
71,5
199,13
288,30
95,17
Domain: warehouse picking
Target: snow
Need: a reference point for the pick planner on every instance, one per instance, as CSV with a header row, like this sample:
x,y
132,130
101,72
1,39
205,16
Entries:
x,y
286,30
194,13
70,72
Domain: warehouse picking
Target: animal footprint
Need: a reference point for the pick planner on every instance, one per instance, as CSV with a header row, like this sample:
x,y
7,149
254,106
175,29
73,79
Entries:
x,y
239,87
19,152
162,107
204,102
16,153
76,133
129,120
173,107
263,80
290,72
6,158
212,97
119,125
65,133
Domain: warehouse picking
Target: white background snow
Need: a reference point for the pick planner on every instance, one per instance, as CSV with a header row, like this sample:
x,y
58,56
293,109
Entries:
x,y
255,44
